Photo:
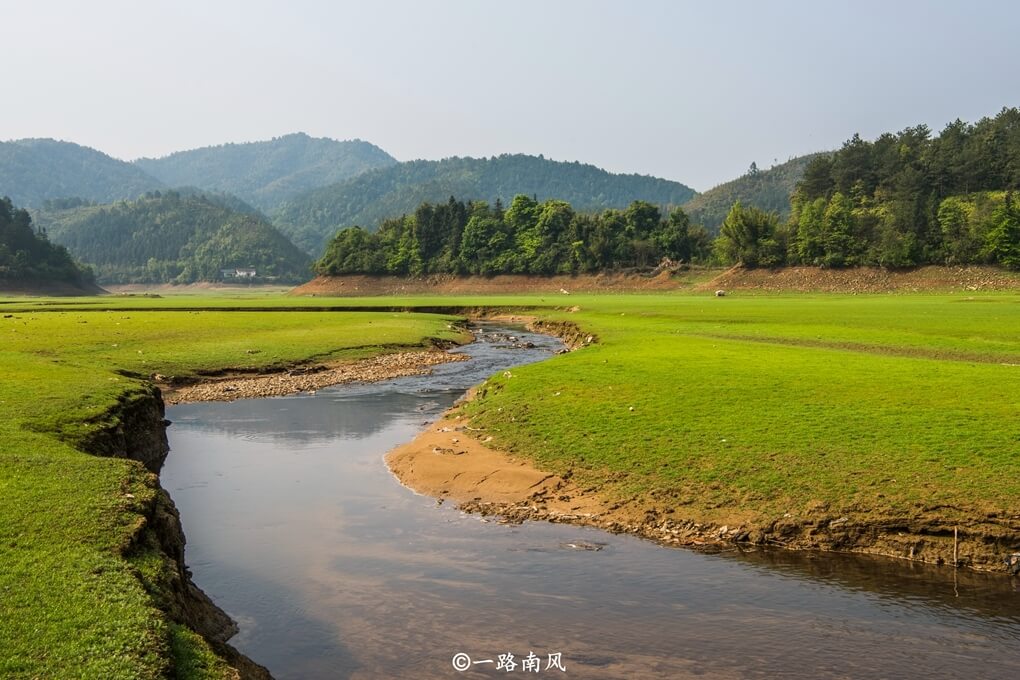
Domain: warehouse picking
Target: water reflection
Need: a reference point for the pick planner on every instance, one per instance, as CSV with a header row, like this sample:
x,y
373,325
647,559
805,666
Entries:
x,y
333,570
304,420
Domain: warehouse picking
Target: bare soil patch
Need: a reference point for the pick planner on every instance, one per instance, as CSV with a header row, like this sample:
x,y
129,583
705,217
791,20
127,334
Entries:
x,y
865,280
361,285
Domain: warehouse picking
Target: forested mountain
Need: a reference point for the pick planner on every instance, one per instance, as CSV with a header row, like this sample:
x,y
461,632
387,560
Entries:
x,y
902,200
34,170
366,200
527,238
172,237
769,190
28,258
269,172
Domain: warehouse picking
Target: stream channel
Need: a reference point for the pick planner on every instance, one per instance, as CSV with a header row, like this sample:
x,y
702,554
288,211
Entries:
x,y
334,570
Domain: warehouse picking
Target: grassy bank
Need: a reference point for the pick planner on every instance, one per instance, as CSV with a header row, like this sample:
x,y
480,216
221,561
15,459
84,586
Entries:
x,y
80,590
864,409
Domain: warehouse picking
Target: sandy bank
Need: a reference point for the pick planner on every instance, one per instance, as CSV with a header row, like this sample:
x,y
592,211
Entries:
x,y
450,461
229,387
446,461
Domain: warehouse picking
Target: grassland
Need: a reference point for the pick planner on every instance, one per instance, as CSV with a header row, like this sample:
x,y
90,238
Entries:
x,y
736,409
778,402
77,593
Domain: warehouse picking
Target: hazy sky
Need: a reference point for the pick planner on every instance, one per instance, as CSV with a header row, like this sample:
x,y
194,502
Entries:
x,y
689,91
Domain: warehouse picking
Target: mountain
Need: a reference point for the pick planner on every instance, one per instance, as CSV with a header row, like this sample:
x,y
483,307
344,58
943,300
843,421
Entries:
x,y
172,237
269,172
28,261
34,170
312,218
769,190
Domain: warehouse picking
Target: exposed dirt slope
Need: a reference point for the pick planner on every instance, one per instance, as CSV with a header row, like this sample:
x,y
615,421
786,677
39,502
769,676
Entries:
x,y
864,280
787,279
356,285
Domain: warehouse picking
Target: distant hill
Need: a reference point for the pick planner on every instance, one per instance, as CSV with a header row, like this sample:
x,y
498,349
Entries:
x,y
269,172
311,219
34,170
29,262
769,190
173,237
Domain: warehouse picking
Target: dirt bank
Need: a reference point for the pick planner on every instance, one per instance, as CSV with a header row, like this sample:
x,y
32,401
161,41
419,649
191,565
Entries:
x,y
196,288
231,386
864,280
786,279
450,461
362,285
135,429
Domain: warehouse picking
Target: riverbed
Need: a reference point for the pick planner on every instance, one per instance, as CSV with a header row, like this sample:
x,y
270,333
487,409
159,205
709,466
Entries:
x,y
334,570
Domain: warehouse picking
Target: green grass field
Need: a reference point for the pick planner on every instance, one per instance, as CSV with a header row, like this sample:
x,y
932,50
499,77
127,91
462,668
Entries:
x,y
71,600
746,407
762,406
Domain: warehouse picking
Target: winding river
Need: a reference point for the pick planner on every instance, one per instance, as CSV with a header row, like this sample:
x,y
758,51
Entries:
x,y
334,570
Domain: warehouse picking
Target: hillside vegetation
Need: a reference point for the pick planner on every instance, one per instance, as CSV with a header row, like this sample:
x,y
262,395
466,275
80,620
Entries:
x,y
28,259
313,218
170,237
34,170
903,200
526,238
269,172
769,190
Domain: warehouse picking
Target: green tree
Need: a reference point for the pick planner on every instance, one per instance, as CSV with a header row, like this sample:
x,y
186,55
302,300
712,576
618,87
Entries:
x,y
809,240
673,238
1003,243
748,238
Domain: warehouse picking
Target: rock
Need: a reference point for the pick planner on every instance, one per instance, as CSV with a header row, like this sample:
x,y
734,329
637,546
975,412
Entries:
x,y
583,545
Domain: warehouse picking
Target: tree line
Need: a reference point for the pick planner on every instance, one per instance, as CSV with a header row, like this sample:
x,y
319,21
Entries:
x,y
905,199
528,237
902,200
311,219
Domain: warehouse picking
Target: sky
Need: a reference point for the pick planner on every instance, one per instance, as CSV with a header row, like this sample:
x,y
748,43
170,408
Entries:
x,y
690,91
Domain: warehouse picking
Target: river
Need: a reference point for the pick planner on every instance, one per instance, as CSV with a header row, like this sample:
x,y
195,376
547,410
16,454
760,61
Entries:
x,y
334,570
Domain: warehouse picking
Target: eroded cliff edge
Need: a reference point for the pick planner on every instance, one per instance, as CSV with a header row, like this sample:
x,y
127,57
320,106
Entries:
x,y
135,429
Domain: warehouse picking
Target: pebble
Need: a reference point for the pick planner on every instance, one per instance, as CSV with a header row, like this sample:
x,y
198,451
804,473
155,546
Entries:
x,y
383,367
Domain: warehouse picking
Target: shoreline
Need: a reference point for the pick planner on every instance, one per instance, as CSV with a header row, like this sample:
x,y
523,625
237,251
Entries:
x,y
232,386
450,461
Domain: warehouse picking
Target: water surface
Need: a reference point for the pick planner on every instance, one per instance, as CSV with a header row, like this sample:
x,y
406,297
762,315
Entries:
x,y
333,570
